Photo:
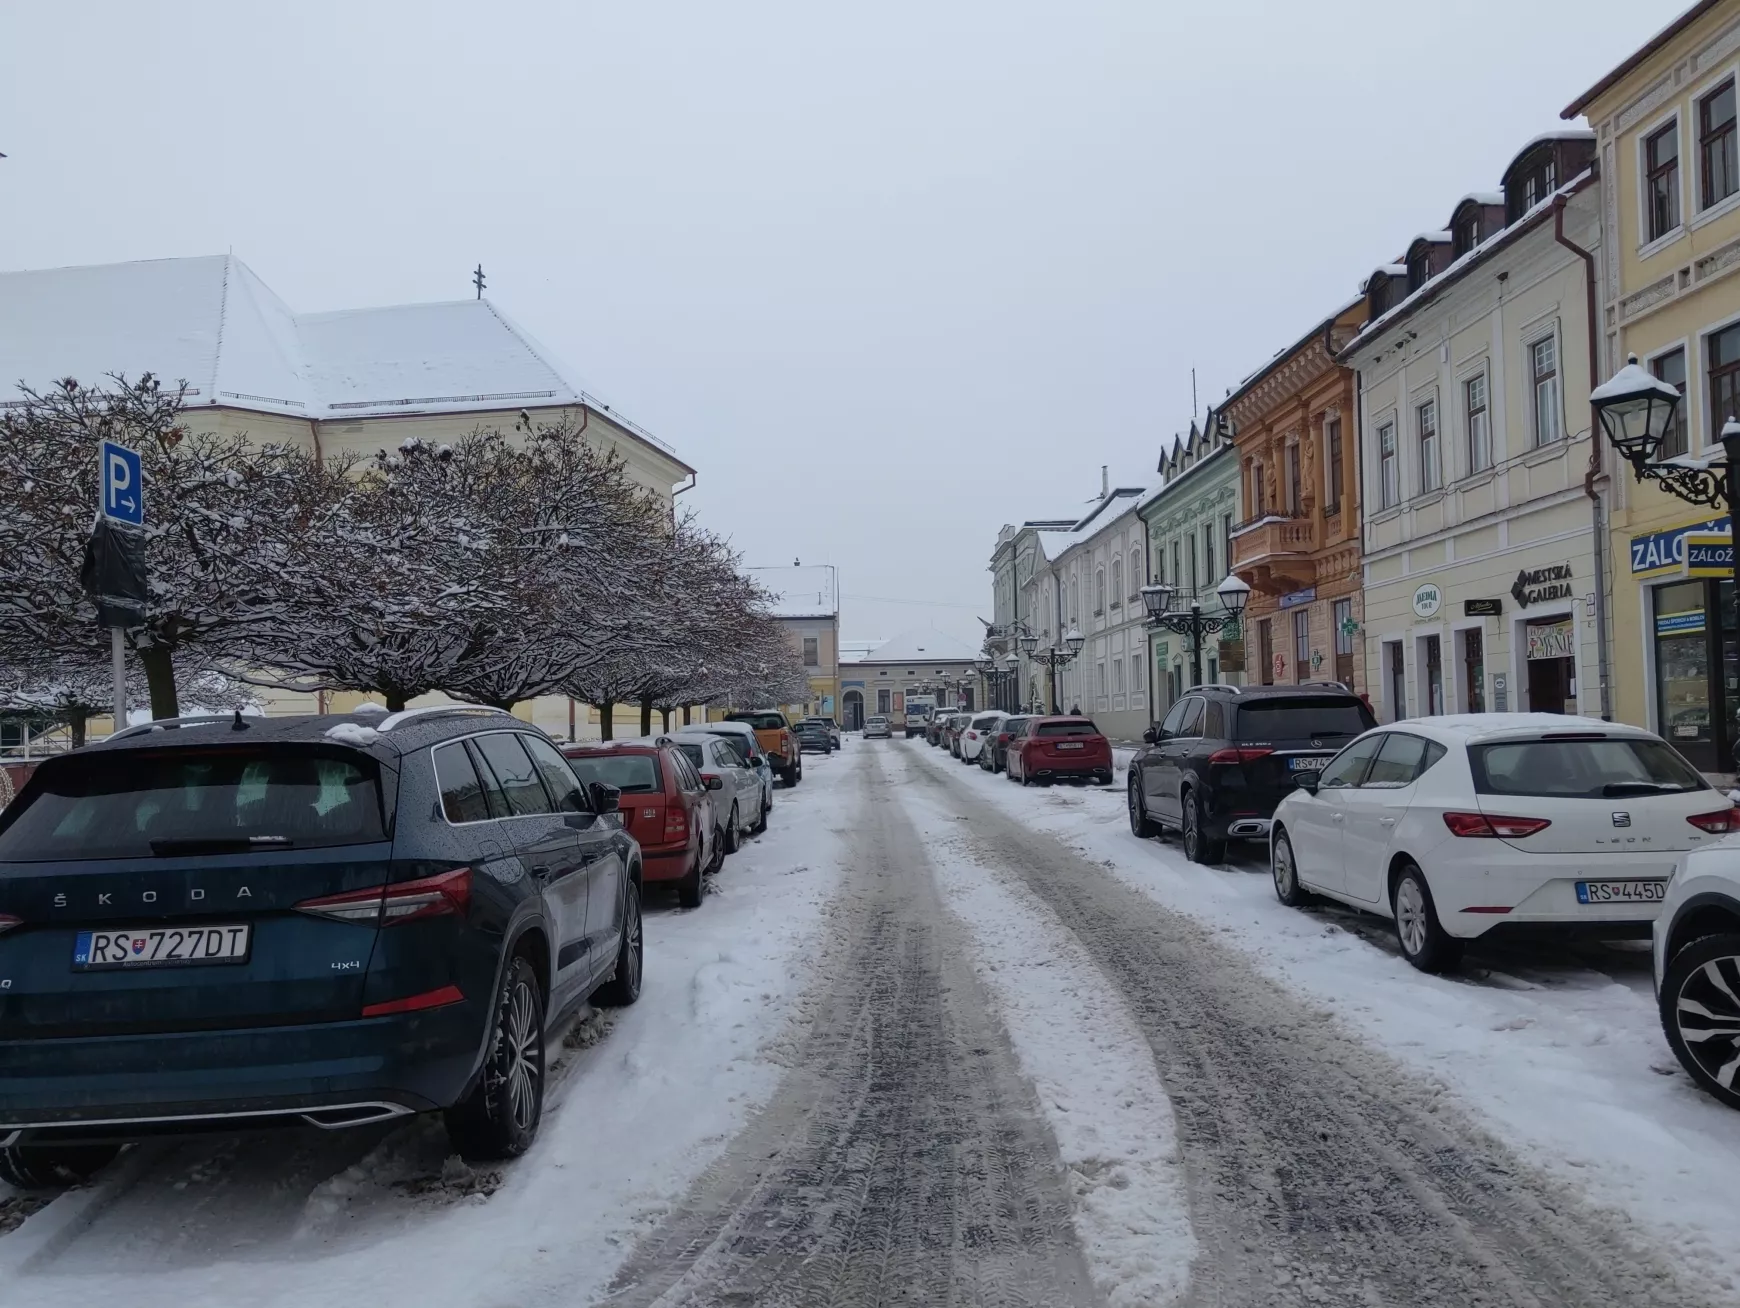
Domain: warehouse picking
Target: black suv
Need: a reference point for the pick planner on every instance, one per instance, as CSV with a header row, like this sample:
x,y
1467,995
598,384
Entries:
x,y
1227,755
326,921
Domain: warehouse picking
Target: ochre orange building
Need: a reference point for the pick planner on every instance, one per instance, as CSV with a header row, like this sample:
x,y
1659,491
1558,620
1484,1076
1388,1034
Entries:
x,y
1296,435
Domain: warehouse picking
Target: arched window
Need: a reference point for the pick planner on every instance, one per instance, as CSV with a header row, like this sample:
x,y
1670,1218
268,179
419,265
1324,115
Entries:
x,y
1099,591
1117,581
1136,582
1074,601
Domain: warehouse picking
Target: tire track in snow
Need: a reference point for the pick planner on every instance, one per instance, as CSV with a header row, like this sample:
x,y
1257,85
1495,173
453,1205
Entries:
x,y
1090,1065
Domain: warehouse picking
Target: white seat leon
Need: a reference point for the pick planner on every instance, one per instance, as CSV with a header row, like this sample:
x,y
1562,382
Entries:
x,y
1460,826
982,728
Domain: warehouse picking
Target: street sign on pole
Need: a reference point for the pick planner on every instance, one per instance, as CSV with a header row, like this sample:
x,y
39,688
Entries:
x,y
123,495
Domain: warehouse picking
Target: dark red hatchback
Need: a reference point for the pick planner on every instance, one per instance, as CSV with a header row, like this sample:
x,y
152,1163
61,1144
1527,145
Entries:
x,y
665,806
1059,747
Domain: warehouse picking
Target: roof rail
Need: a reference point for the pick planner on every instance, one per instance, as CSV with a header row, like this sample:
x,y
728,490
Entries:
x,y
1333,685
1214,685
394,719
159,724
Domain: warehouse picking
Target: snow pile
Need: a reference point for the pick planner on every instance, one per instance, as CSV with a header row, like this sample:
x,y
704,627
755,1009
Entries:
x,y
352,733
369,706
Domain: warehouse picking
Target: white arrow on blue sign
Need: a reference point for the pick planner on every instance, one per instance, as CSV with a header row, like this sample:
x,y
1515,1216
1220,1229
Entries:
x,y
123,493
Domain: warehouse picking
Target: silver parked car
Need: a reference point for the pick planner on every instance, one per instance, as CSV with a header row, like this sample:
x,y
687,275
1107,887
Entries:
x,y
877,726
741,737
740,801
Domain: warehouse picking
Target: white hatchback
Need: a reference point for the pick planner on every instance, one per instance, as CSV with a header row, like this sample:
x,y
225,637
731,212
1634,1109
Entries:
x,y
982,728
1458,826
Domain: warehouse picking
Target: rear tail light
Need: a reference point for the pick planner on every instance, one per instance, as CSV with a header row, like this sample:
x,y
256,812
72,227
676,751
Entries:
x,y
446,895
1720,822
1482,824
7,922
676,821
1238,755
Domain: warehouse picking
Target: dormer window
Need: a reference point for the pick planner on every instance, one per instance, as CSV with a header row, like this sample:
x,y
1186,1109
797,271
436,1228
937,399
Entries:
x,y
1378,297
1466,234
1419,268
1531,183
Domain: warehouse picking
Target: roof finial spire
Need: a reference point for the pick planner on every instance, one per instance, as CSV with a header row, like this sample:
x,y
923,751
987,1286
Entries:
x,y
477,280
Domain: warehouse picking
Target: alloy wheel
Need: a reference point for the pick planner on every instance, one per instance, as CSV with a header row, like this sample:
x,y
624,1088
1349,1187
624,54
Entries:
x,y
1707,1014
522,1056
1282,869
1191,835
631,942
1411,912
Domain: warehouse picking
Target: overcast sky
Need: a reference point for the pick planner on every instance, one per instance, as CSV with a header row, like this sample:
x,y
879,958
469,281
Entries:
x,y
838,255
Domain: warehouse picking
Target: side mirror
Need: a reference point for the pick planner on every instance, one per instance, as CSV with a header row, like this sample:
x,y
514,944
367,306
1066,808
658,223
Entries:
x,y
605,799
714,783
1307,781
1150,735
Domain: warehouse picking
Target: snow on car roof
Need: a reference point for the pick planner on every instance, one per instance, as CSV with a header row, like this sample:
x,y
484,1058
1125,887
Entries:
x,y
1470,727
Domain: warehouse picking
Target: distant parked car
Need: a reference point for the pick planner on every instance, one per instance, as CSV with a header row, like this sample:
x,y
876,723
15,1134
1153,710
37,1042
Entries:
x,y
738,804
995,756
1697,966
936,730
324,921
1224,756
813,737
952,729
1459,827
978,733
1060,748
833,728
774,734
741,737
665,805
878,726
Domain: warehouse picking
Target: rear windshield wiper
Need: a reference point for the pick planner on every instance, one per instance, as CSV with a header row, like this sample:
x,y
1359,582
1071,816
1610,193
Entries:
x,y
175,845
1614,789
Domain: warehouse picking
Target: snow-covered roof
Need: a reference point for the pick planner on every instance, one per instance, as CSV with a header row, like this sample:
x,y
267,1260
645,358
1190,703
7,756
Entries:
x,y
211,322
1480,197
856,651
923,645
1432,238
800,591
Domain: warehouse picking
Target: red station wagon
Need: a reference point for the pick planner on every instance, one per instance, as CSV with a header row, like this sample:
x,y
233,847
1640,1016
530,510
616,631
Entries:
x,y
665,805
1052,748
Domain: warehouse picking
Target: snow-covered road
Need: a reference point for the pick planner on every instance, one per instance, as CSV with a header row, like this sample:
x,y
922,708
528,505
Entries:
x,y
941,1039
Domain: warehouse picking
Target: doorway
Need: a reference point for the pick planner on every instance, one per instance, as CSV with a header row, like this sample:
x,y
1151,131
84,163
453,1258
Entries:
x,y
1432,674
854,710
1552,669
1398,680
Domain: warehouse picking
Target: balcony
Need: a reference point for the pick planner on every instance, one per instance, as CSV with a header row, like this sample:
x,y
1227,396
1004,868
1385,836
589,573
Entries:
x,y
1275,553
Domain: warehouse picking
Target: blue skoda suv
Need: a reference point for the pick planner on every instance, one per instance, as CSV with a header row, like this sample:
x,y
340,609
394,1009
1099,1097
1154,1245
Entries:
x,y
250,923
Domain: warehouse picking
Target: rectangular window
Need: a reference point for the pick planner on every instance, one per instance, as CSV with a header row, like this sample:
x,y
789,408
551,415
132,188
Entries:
x,y
1479,423
1389,475
1265,653
1208,553
1177,563
884,701
1671,368
1117,583
1426,421
1226,538
1117,676
1544,378
1661,162
1195,583
812,655
1720,176
1302,643
1474,670
1259,505
1100,676
1724,378
1135,674
1294,496
1332,445
1099,592
1342,615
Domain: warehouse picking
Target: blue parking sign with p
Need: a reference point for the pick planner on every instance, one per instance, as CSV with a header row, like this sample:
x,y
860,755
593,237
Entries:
x,y
123,495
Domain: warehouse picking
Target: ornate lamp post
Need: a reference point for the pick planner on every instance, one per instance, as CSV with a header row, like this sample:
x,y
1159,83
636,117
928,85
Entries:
x,y
1158,600
1055,657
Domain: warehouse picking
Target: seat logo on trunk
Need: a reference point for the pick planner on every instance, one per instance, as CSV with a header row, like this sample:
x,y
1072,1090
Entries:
x,y
1622,819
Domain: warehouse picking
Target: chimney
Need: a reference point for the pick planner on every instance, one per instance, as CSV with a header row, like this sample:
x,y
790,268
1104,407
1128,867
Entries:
x,y
1105,480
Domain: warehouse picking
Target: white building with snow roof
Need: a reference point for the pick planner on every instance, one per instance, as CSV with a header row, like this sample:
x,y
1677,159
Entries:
x,y
1481,536
923,661
357,380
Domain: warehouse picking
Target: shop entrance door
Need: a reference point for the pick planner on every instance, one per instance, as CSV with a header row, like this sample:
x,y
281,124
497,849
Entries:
x,y
1550,685
1434,673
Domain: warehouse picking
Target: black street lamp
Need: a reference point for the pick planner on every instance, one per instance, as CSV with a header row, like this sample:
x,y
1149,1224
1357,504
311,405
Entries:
x,y
1158,599
1055,657
1636,409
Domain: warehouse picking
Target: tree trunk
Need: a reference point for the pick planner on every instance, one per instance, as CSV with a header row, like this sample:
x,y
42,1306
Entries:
x,y
159,664
607,720
646,716
77,722
667,716
685,715
395,701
